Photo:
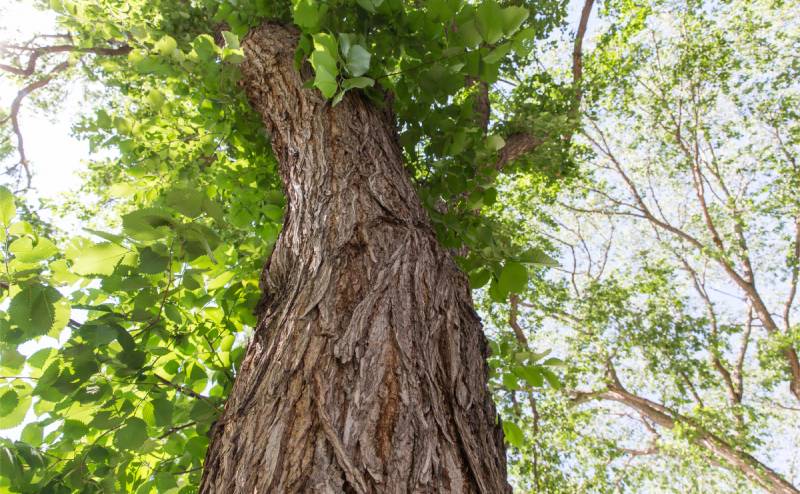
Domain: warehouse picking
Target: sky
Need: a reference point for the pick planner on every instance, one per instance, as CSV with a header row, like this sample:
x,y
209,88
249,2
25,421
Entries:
x,y
54,154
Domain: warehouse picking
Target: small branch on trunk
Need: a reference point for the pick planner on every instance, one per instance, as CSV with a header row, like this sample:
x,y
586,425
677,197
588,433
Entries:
x,y
692,389
520,144
184,390
795,269
177,428
738,375
14,117
513,302
517,145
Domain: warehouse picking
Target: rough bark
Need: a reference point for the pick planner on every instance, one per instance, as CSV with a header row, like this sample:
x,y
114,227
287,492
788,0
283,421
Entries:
x,y
367,371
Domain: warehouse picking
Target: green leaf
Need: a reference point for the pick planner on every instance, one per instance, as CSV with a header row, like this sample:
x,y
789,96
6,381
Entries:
x,y
513,434
273,212
498,53
205,47
24,250
39,357
530,374
162,410
166,45
10,466
512,18
357,82
325,43
479,278
338,98
11,361
308,14
165,482
17,400
98,334
552,378
203,411
148,224
33,310
151,262
197,446
367,5
537,256
155,99
358,60
95,259
63,310
510,382
131,435
32,434
323,60
186,201
231,40
21,228
495,142
7,207
489,21
513,278
233,56
325,82
196,378
8,402
345,42
496,294
469,34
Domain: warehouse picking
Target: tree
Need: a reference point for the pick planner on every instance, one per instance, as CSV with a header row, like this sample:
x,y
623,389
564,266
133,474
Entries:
x,y
676,306
365,367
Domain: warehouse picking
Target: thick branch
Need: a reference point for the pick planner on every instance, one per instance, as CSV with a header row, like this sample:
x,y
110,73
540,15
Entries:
x,y
669,419
577,54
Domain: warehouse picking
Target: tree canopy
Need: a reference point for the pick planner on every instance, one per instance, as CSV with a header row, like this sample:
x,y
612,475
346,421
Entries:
x,y
628,216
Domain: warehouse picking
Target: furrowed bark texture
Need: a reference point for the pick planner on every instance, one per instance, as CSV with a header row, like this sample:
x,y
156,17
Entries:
x,y
368,370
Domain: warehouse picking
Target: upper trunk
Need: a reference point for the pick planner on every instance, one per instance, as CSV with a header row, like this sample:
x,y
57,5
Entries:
x,y
367,371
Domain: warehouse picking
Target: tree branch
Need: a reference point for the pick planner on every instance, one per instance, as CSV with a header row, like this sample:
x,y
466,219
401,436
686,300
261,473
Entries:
x,y
577,55
669,419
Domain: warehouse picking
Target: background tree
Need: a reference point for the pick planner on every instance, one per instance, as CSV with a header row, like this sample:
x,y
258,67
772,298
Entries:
x,y
675,304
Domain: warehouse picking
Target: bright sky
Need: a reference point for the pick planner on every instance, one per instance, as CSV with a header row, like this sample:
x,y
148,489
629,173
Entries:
x,y
54,154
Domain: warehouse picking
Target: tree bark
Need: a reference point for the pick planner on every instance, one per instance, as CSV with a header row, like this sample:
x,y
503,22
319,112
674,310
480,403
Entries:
x,y
367,371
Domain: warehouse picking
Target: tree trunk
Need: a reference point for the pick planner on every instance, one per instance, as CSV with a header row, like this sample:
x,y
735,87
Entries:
x,y
367,372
